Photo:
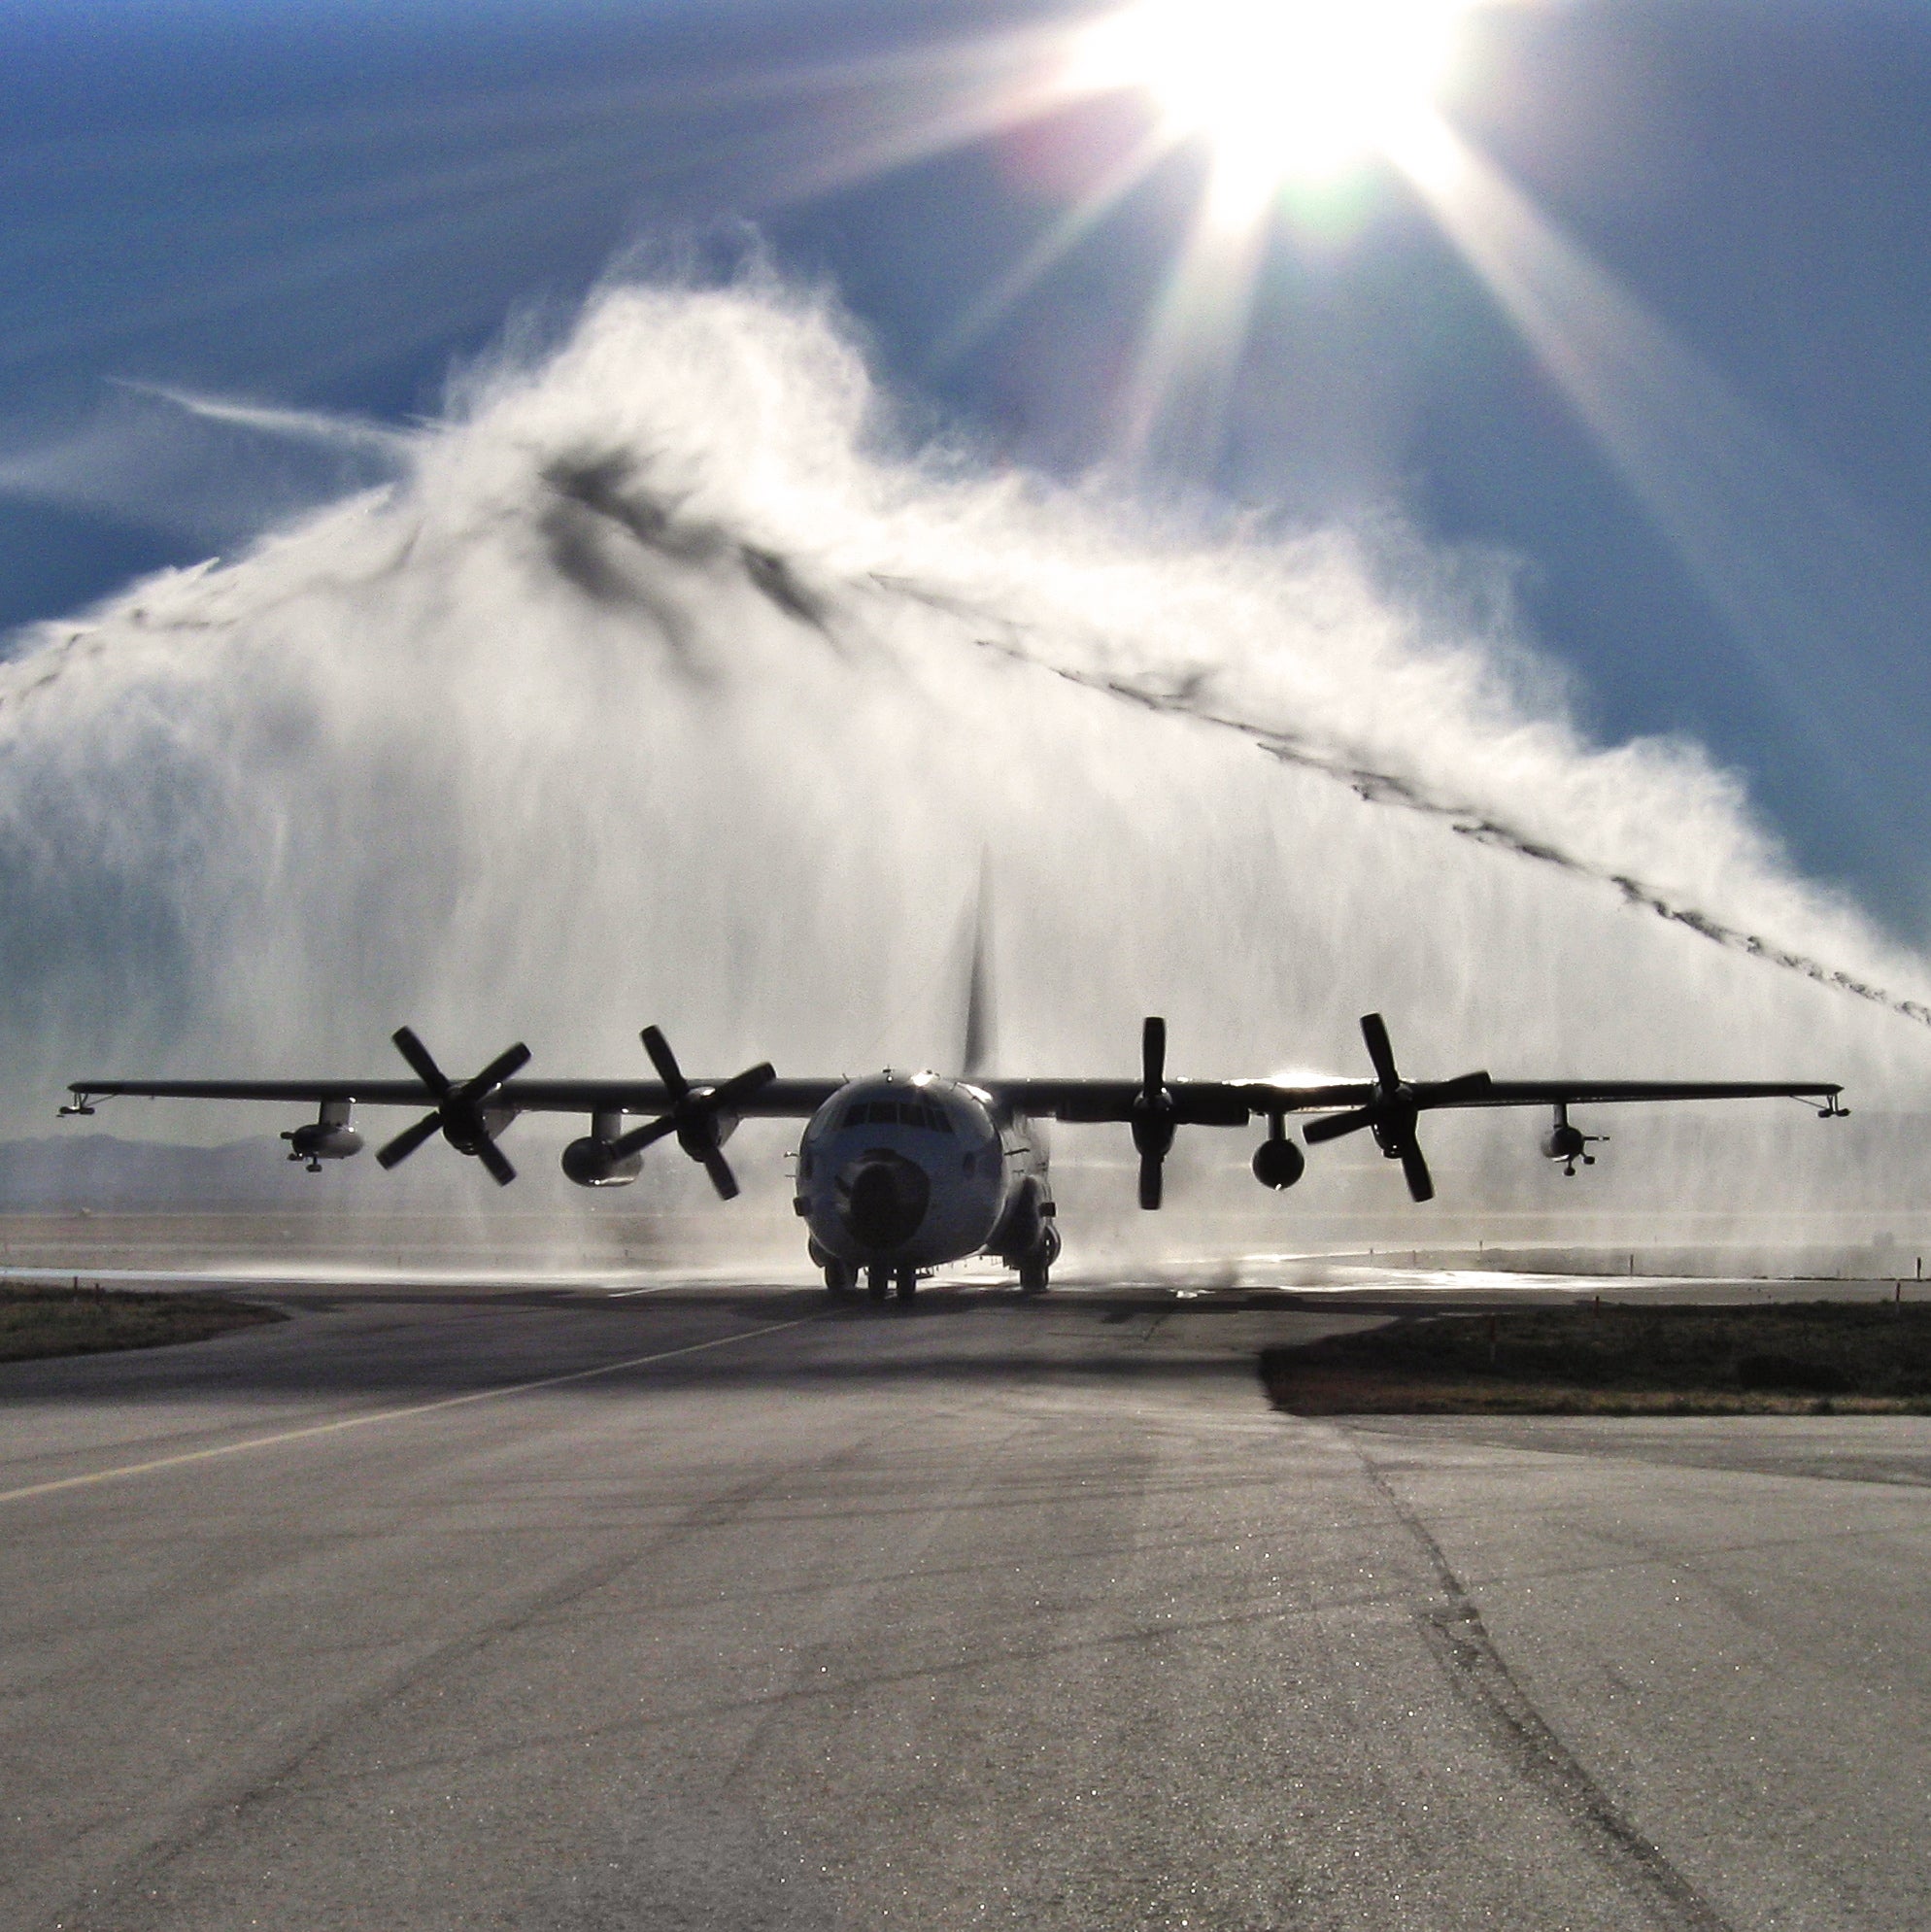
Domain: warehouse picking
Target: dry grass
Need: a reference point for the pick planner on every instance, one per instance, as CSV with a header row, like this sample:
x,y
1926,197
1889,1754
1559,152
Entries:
x,y
1794,1359
36,1322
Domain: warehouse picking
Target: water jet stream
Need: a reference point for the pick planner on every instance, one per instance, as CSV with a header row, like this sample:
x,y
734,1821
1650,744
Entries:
x,y
671,683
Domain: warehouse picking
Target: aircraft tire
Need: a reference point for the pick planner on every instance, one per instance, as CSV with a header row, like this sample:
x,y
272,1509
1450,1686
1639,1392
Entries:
x,y
877,1282
907,1284
1033,1276
840,1278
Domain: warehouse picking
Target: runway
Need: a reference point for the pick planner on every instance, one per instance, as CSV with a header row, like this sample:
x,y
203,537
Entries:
x,y
718,1607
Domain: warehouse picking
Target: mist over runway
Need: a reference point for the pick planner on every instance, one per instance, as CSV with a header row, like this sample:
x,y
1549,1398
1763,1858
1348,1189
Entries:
x,y
675,679
477,1607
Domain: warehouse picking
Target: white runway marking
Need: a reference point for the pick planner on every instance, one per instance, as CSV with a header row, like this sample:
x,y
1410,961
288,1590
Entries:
x,y
388,1414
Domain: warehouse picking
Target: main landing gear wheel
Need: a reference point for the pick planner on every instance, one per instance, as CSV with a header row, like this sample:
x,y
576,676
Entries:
x,y
877,1282
1037,1267
908,1283
840,1278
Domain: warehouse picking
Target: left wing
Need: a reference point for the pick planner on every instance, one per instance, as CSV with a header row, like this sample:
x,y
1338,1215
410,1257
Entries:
x,y
1388,1106
1235,1102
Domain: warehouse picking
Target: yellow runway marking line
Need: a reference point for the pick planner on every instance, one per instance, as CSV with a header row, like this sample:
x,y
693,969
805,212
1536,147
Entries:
x,y
388,1414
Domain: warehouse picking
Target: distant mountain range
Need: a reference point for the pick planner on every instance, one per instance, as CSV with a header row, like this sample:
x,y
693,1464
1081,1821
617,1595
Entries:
x,y
97,1170
102,1173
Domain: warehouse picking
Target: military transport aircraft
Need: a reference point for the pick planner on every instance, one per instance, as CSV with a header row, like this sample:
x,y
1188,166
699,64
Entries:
x,y
899,1173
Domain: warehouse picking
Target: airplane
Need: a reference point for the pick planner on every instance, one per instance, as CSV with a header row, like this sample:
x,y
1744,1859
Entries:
x,y
901,1173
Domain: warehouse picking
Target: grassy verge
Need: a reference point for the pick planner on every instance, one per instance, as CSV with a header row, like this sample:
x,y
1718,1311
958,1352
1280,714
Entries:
x,y
1794,1359
65,1321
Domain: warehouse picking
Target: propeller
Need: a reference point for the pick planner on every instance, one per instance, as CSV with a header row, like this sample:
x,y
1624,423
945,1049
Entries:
x,y
1394,1106
695,1113
1153,1112
461,1111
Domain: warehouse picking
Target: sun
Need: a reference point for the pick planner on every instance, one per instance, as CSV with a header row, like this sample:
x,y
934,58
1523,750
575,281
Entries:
x,y
1280,89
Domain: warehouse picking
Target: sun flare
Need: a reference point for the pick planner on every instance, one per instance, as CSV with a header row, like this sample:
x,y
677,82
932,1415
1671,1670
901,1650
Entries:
x,y
1281,89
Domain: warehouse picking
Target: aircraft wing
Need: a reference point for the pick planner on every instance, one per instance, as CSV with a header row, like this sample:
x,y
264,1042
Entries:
x,y
1234,1102
1155,1106
1196,1102
1584,1093
777,1099
470,1113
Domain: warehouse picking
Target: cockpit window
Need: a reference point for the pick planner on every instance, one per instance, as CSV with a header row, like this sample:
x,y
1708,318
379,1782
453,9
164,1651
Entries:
x,y
897,1114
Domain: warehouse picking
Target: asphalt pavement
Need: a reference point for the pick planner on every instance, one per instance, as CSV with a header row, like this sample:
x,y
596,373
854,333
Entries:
x,y
716,1607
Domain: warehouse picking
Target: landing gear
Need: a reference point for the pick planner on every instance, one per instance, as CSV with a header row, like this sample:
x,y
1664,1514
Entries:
x,y
877,1282
840,1278
1036,1269
908,1283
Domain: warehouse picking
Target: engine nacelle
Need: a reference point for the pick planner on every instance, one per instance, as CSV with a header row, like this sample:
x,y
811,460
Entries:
x,y
1278,1163
590,1163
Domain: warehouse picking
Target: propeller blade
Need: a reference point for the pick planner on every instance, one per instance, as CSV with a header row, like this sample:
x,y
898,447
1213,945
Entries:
x,y
740,1088
1149,1181
420,1063
1421,1184
665,1063
492,1156
1330,1126
407,1140
1375,1032
1452,1093
722,1178
1153,1054
640,1138
496,1073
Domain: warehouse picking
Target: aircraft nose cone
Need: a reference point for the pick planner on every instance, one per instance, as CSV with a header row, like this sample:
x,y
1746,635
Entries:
x,y
883,1199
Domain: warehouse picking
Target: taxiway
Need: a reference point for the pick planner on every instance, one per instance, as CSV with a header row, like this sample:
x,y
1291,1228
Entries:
x,y
438,1608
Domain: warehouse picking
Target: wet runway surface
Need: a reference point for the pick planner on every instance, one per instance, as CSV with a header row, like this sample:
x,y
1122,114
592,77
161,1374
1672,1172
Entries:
x,y
722,1609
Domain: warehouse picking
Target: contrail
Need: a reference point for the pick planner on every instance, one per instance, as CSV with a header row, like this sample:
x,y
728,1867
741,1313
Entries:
x,y
310,425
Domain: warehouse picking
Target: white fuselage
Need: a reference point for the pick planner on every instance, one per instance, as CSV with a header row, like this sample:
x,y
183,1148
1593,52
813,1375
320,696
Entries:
x,y
910,1171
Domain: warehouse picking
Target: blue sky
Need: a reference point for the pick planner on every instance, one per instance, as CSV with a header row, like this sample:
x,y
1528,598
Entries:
x,y
1700,431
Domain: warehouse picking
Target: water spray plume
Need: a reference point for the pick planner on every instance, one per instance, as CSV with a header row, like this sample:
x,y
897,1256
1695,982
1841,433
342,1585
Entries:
x,y
669,683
